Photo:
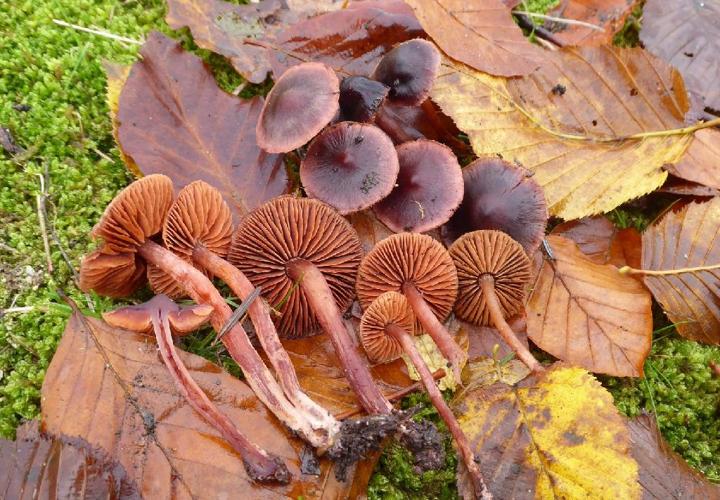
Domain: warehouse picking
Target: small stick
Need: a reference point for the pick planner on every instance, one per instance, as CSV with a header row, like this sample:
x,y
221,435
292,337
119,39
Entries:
x,y
548,250
42,217
237,315
561,20
102,33
527,23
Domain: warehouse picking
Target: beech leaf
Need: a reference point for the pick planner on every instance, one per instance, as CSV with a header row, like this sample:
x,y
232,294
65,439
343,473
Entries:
x,y
686,34
700,163
589,314
481,34
608,15
595,124
556,435
109,387
175,120
482,340
682,253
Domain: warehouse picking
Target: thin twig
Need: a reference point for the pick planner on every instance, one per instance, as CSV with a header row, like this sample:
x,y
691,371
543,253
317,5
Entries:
x,y
7,248
42,218
14,310
238,315
561,20
103,33
540,32
664,272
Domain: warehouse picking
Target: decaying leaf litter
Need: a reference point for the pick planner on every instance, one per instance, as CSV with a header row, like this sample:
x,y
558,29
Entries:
x,y
566,126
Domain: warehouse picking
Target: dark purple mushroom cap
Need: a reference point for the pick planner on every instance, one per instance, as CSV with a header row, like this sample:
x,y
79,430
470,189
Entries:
x,y
350,166
502,197
302,102
360,98
409,70
429,188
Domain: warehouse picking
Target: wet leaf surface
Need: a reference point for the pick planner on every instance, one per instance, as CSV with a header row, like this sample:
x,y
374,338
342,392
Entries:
x,y
589,314
609,15
700,163
175,120
483,339
684,244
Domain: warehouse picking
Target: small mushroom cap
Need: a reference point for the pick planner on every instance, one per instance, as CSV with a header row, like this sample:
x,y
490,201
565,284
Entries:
x,y
288,228
489,252
304,99
111,274
138,318
350,166
360,98
502,197
409,70
389,308
409,258
162,283
429,188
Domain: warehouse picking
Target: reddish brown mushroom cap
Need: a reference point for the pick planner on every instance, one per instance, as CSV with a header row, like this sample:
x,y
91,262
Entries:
x,y
389,308
112,275
409,70
502,197
350,166
303,100
360,98
409,258
429,188
138,318
285,229
492,253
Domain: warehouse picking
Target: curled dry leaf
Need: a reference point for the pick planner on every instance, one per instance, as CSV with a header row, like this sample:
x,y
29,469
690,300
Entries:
x,y
589,314
607,15
175,120
435,361
481,34
663,473
686,34
681,254
108,387
37,465
557,435
700,163
578,123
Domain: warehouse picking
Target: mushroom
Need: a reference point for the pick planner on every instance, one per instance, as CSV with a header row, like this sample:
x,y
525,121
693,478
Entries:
x,y
429,188
493,272
128,226
199,229
503,197
302,101
361,98
386,330
421,269
409,70
350,166
304,256
163,316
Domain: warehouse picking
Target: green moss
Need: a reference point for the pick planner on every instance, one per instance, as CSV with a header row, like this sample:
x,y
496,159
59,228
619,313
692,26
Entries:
x,y
629,35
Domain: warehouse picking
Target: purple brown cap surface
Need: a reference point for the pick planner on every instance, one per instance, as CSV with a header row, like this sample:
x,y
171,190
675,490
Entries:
x,y
409,70
360,98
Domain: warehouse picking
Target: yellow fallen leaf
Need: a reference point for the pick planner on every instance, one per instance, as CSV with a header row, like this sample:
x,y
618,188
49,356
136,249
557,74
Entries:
x,y
117,75
434,359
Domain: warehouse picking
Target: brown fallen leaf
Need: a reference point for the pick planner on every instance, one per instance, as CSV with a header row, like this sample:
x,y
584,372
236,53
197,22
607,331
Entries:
x,y
664,474
557,435
481,34
483,339
700,163
108,387
686,34
681,187
175,120
681,259
602,242
369,229
589,314
608,15
116,76
595,124
37,465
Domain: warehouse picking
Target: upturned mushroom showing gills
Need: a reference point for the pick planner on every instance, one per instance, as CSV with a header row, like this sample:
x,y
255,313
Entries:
x,y
128,227
361,98
163,316
350,166
421,269
493,271
303,100
428,191
409,70
503,197
199,229
386,330
304,256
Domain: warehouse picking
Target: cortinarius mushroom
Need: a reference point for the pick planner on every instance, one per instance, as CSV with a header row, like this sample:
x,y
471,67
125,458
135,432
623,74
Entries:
x,y
500,196
302,101
493,271
429,188
360,98
420,268
350,166
409,70
163,316
386,330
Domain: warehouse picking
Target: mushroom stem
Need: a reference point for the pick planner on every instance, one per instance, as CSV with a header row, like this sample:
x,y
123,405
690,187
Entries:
x,y
487,285
202,291
259,465
430,323
267,334
408,345
323,305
